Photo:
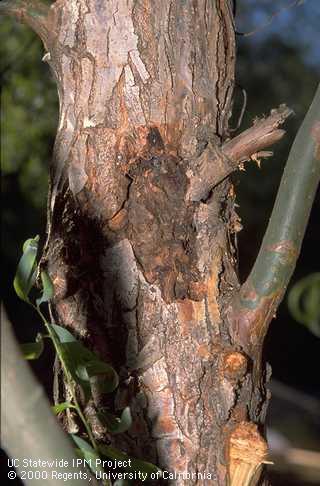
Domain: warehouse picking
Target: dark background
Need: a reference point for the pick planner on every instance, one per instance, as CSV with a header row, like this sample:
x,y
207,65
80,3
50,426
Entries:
x,y
279,63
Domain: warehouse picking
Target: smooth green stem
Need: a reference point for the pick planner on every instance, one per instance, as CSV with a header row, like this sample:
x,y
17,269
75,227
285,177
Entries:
x,y
26,416
283,238
259,297
85,423
69,379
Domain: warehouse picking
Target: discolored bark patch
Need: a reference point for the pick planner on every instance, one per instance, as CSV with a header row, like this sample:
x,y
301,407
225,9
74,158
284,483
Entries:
x,y
160,224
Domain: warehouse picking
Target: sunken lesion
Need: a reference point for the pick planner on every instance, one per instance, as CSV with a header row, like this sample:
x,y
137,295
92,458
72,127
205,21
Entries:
x,y
160,222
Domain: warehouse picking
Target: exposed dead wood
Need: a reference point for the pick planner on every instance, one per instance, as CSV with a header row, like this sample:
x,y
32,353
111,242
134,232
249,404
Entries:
x,y
247,452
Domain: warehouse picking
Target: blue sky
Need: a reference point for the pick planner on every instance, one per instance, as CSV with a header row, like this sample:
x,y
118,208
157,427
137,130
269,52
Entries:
x,y
299,26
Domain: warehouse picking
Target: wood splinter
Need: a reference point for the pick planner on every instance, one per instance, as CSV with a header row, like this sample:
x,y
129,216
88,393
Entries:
x,y
247,453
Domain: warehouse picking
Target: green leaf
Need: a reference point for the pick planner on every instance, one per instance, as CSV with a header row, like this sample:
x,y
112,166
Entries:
x,y
304,302
104,376
29,242
33,350
64,335
84,365
61,407
113,453
87,452
136,464
26,270
73,354
47,288
144,466
114,424
70,351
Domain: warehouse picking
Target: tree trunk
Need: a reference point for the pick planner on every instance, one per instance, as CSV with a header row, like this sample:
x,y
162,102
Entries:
x,y
141,272
141,238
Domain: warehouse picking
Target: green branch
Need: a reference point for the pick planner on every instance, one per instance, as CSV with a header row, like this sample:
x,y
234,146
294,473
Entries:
x,y
259,297
31,12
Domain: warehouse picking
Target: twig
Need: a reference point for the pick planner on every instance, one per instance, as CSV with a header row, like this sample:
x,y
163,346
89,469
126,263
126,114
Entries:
x,y
255,305
243,109
305,403
304,458
31,12
215,164
300,462
69,380
270,18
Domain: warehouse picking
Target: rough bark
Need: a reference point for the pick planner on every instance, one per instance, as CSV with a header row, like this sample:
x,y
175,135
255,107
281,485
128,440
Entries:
x,y
139,271
142,259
